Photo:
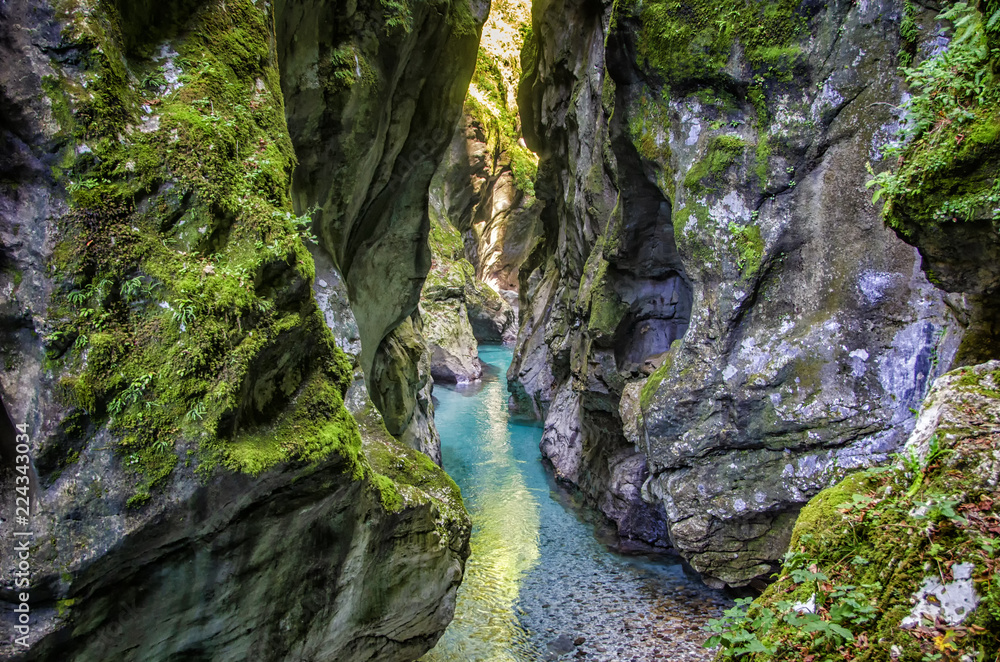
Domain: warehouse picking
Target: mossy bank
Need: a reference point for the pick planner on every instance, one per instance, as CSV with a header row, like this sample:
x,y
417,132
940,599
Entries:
x,y
897,563
184,392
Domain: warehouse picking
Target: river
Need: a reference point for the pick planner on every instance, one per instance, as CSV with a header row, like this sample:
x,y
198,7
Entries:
x,y
540,579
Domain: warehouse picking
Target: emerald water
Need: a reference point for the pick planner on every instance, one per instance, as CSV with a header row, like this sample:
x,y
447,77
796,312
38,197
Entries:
x,y
539,577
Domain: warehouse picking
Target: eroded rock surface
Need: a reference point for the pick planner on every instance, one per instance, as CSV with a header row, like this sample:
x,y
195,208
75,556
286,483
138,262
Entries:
x,y
199,490
372,96
709,250
920,534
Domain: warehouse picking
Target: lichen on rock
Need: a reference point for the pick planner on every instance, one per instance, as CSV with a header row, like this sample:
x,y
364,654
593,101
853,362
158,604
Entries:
x,y
899,562
705,235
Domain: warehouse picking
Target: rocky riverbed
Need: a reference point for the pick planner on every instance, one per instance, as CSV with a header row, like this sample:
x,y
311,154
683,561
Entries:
x,y
545,580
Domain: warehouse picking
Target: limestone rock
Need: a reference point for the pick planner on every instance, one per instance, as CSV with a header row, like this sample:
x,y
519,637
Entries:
x,y
371,105
706,234
198,488
452,344
912,542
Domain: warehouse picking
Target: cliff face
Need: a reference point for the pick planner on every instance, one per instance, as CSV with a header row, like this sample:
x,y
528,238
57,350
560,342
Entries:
x,y
716,324
199,489
482,210
372,97
900,562
942,194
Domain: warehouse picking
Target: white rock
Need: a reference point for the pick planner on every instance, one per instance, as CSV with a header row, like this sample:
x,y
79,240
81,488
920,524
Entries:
x,y
952,602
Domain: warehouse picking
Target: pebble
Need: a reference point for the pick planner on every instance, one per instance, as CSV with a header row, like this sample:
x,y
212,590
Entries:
x,y
651,611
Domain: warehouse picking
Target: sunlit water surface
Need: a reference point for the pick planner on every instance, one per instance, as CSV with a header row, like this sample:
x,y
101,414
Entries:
x,y
538,576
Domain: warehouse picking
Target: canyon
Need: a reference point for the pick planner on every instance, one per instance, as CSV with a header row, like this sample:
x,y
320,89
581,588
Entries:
x,y
732,246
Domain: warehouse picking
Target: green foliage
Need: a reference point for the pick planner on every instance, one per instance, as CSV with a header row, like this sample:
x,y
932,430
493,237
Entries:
x,y
502,122
345,67
193,305
948,155
862,548
691,41
749,246
397,15
722,152
748,629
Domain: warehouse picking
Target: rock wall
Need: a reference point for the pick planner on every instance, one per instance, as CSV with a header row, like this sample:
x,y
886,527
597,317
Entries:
x,y
476,192
372,96
898,562
715,324
942,194
198,488
482,210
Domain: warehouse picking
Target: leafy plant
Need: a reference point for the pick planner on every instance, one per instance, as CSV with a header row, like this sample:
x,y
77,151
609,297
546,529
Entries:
x,y
163,444
131,395
184,311
197,412
130,289
154,80
736,632
301,224
951,115
78,297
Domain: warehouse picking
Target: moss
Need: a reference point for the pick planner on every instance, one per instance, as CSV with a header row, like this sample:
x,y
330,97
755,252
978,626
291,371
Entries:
x,y
648,125
946,170
63,606
749,248
863,547
653,383
490,99
692,41
606,307
693,243
445,241
405,466
182,309
722,152
397,468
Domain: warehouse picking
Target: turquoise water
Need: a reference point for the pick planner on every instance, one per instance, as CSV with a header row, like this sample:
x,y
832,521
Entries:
x,y
539,578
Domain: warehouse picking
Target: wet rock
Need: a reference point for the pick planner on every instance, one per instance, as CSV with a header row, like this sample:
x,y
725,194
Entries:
x,y
561,644
703,360
208,495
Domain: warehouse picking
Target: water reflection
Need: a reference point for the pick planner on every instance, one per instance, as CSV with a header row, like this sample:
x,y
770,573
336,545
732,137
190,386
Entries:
x,y
539,580
476,448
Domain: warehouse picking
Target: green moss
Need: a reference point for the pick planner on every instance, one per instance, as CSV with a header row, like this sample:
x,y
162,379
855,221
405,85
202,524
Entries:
x,y
445,241
606,307
947,169
693,244
648,125
182,311
722,153
398,467
749,248
501,120
863,547
653,383
63,606
692,41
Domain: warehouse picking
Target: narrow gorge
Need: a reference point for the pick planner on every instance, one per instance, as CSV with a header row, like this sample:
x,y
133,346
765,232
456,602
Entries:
x,y
500,331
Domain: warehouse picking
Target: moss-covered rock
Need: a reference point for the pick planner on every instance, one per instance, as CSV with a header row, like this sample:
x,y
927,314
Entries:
x,y
705,228
196,465
898,563
368,147
940,190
